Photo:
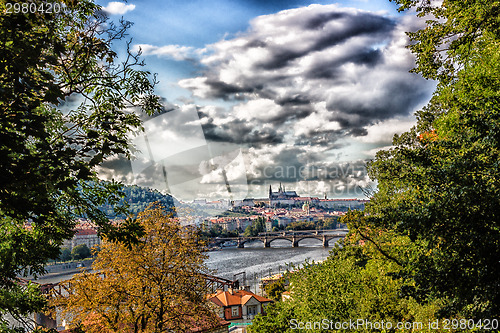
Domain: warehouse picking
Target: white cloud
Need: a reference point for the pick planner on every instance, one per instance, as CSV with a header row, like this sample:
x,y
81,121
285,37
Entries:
x,y
304,89
383,131
176,52
118,8
352,62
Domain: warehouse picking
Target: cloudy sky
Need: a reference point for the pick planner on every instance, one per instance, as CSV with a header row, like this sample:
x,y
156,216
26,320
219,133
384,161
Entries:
x,y
263,92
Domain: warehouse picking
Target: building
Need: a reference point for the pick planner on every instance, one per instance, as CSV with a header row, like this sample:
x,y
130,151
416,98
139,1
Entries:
x,y
239,304
282,197
87,236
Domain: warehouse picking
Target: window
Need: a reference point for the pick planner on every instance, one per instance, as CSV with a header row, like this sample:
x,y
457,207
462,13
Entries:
x,y
252,310
234,311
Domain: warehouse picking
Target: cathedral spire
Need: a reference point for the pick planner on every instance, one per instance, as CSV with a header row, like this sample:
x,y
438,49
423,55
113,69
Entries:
x,y
270,192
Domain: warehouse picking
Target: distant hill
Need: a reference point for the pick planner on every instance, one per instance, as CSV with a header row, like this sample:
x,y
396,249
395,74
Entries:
x,y
138,199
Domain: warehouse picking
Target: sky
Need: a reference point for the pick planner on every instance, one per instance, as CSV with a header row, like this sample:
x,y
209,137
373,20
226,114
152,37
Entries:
x,y
258,93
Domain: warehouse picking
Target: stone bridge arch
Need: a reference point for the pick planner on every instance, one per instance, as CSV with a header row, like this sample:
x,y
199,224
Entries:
x,y
328,239
276,238
300,238
243,241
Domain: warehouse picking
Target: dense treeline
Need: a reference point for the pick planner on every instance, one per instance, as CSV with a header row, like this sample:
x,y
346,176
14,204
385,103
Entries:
x,y
328,223
136,199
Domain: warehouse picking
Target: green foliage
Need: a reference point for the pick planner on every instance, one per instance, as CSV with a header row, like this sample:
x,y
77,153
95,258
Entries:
x,y
455,29
344,287
275,289
258,225
328,223
136,199
27,299
80,251
439,185
301,225
445,196
65,102
65,254
277,319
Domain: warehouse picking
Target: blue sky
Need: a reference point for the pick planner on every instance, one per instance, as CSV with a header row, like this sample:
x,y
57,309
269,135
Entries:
x,y
263,92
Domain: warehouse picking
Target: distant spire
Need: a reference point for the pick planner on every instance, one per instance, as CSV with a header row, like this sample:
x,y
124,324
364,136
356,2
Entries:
x,y
270,192
280,189
284,188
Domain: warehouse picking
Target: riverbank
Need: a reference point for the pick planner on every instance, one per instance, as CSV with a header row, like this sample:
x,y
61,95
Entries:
x,y
66,269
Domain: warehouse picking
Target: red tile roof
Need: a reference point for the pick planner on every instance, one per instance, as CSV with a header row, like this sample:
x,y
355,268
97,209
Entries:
x,y
83,232
240,297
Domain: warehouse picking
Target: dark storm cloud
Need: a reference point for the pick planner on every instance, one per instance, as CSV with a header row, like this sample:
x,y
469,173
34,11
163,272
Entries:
x,y
229,91
319,138
331,69
357,25
117,168
295,60
302,81
294,165
398,99
285,167
319,21
239,132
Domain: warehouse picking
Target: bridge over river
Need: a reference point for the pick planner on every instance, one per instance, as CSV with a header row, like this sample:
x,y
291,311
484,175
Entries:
x,y
293,236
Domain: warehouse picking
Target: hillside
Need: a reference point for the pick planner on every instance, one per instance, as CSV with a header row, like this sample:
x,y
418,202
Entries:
x,y
138,198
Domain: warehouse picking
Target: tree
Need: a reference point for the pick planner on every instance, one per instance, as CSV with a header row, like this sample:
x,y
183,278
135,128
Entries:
x,y
301,225
344,288
454,31
439,185
328,223
274,289
153,286
65,254
80,251
66,105
258,225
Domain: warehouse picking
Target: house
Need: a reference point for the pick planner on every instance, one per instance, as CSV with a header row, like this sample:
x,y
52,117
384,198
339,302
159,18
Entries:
x,y
87,236
239,304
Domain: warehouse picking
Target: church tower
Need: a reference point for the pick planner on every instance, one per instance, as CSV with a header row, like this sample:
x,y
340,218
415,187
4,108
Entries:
x,y
270,192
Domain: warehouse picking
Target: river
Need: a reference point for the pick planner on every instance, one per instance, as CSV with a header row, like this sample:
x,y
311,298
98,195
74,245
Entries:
x,y
255,260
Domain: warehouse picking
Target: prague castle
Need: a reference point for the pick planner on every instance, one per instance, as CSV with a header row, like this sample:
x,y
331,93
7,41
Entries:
x,y
282,196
